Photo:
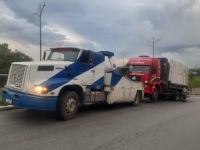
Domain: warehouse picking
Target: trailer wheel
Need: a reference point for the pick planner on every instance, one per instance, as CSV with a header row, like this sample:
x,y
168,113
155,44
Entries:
x,y
67,105
176,96
154,96
137,99
182,97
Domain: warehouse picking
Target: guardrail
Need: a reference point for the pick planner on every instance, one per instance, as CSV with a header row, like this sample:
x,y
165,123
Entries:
x,y
3,80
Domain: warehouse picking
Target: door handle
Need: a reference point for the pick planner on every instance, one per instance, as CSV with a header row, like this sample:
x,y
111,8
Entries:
x,y
92,70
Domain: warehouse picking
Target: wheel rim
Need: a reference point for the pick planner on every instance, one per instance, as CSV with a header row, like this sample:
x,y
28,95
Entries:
x,y
70,105
137,99
155,95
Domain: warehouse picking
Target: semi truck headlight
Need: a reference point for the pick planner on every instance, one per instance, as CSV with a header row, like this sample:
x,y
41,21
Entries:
x,y
40,89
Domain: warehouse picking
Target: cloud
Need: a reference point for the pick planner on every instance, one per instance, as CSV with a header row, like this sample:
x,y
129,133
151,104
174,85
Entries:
x,y
26,33
118,26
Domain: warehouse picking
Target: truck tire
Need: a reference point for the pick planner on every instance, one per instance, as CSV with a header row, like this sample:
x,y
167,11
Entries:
x,y
176,96
183,98
137,99
180,96
67,105
154,96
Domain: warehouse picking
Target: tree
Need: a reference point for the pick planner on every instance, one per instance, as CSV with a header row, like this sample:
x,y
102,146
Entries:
x,y
191,76
7,56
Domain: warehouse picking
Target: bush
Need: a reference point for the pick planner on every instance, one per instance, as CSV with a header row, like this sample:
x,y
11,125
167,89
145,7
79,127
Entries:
x,y
1,101
194,82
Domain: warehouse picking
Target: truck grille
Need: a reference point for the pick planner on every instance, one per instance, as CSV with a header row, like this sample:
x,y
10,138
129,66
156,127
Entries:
x,y
16,76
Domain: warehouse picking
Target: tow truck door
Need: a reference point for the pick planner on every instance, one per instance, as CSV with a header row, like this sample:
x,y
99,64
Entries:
x,y
86,68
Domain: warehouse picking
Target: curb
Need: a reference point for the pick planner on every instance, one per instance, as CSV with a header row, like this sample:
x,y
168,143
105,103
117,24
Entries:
x,y
8,107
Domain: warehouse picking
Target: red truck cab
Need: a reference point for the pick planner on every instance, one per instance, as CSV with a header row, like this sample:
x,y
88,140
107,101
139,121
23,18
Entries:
x,y
148,71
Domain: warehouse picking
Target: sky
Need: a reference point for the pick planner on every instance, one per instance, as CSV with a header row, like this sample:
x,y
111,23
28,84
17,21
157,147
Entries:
x,y
125,27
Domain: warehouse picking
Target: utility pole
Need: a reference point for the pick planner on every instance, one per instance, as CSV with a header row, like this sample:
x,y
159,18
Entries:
x,y
123,54
39,14
153,42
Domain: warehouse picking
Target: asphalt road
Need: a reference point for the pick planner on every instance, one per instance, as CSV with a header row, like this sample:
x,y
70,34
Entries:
x,y
164,125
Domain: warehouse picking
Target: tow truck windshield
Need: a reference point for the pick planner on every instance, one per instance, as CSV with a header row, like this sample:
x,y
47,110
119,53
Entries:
x,y
144,69
63,55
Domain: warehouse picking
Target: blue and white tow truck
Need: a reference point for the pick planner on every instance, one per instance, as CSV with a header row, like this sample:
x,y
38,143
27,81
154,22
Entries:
x,y
69,77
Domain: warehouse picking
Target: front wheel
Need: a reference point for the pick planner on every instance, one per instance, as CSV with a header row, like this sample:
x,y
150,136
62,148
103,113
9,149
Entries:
x,y
67,105
154,96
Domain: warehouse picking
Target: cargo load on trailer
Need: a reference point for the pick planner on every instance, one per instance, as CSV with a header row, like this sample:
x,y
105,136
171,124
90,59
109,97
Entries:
x,y
162,77
67,77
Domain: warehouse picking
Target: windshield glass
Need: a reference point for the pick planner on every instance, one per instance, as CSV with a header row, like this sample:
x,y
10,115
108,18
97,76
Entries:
x,y
144,69
63,55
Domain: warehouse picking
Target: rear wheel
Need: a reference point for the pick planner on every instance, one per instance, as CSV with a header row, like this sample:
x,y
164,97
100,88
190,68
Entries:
x,y
176,96
67,105
184,98
181,96
154,96
137,99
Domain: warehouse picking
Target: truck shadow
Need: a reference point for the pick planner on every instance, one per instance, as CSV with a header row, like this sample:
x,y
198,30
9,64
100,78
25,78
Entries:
x,y
166,100
50,116
38,116
103,107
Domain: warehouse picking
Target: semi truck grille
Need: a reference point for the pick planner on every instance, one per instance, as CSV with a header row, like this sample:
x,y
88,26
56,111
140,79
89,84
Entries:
x,y
16,76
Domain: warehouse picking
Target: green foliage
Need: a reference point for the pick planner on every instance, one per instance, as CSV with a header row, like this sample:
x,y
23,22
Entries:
x,y
7,56
1,101
191,76
195,82
195,71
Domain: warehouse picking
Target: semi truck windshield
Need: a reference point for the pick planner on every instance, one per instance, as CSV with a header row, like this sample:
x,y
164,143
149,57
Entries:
x,y
63,55
144,69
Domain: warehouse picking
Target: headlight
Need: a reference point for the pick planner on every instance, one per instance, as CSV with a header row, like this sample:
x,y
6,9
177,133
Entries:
x,y
146,81
40,89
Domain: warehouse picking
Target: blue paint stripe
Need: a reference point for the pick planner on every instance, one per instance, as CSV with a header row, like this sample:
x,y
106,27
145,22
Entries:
x,y
72,71
97,85
116,77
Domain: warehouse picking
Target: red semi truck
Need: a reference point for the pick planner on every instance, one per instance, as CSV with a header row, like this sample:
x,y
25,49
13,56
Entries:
x,y
161,77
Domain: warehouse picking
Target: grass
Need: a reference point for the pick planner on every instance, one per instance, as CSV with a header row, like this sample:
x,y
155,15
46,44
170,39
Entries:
x,y
195,82
1,101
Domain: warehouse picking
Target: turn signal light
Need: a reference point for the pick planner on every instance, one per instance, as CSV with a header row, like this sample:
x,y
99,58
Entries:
x,y
40,89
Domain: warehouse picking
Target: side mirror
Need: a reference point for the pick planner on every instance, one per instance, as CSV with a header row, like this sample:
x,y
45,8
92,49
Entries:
x,y
44,56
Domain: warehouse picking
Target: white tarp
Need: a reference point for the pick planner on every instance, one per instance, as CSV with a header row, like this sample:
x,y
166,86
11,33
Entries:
x,y
178,73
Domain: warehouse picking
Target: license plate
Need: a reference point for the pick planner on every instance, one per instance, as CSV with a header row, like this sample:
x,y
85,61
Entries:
x,y
8,101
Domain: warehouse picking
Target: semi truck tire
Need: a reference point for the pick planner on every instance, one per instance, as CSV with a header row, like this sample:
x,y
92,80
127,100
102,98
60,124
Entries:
x,y
137,99
176,96
67,105
154,96
183,98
